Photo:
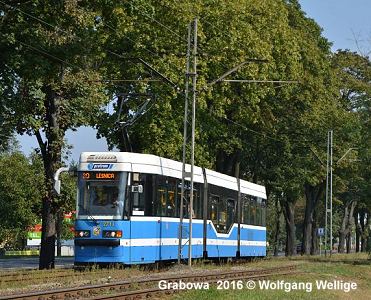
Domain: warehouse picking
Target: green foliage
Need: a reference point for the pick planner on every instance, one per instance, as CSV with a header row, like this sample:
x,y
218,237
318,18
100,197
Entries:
x,y
61,63
21,191
276,134
54,53
55,80
228,34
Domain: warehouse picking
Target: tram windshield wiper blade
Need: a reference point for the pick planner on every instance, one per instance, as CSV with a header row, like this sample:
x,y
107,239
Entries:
x,y
88,213
91,217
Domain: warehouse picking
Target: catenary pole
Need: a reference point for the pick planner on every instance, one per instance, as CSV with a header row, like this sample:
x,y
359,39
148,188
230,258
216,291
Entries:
x,y
327,190
180,233
194,92
331,148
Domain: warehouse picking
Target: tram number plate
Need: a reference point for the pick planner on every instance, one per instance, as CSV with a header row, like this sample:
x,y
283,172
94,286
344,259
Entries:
x,y
108,224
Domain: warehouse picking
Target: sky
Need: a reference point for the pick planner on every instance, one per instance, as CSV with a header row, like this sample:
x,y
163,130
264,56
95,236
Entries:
x,y
343,22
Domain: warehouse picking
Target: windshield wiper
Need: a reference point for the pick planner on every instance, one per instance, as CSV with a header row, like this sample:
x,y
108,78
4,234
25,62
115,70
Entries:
x,y
89,214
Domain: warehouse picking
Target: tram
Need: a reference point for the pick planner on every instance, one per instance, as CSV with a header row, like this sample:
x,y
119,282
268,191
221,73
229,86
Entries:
x,y
128,208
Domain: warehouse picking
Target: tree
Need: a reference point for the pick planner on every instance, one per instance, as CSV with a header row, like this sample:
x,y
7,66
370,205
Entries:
x,y
354,73
238,126
55,56
7,78
21,191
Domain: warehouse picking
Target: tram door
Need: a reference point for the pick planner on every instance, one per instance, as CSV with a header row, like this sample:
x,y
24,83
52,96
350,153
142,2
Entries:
x,y
145,227
167,210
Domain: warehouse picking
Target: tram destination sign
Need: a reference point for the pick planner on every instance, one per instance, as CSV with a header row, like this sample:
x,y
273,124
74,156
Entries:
x,y
99,175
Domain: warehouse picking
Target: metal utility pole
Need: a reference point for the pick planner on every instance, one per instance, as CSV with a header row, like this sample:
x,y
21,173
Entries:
x,y
331,146
180,233
328,215
327,188
330,164
184,173
194,91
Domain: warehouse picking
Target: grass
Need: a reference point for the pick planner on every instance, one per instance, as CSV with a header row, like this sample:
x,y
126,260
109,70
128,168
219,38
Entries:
x,y
48,279
346,268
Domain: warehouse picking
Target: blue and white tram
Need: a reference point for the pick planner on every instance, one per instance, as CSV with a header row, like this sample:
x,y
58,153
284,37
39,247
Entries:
x,y
128,211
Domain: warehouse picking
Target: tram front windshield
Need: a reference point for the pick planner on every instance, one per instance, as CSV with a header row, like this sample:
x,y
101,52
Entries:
x,y
101,194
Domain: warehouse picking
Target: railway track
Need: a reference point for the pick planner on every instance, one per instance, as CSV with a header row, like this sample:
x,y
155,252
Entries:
x,y
143,288
33,275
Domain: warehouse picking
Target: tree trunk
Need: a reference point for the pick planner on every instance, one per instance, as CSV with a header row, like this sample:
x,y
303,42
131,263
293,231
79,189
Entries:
x,y
289,213
227,163
350,225
364,220
349,241
314,240
358,234
358,229
59,226
312,195
346,224
342,232
368,237
47,254
278,225
51,153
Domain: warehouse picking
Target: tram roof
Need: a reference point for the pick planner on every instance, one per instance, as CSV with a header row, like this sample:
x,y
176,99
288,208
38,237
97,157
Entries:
x,y
152,164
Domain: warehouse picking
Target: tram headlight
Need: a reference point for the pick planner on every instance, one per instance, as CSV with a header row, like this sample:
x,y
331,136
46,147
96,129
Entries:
x,y
112,233
82,233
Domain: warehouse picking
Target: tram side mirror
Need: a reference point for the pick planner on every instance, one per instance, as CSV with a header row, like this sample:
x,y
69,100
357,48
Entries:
x,y
57,186
137,188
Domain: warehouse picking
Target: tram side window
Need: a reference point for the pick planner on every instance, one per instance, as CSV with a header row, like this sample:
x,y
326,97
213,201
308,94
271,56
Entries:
x,y
197,204
166,201
161,196
258,211
213,209
231,212
245,209
253,212
148,191
139,195
161,201
222,207
264,212
178,198
138,201
172,205
222,217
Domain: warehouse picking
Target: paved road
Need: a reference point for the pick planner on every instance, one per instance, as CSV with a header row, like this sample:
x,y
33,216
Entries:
x,y
32,263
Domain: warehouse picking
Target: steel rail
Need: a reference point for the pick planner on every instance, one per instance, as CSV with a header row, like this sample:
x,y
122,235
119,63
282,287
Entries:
x,y
28,276
119,286
150,293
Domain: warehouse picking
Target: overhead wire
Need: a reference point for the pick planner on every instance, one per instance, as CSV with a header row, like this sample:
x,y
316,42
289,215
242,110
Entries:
x,y
199,51
265,135
44,52
225,33
133,41
121,56
144,107
158,22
